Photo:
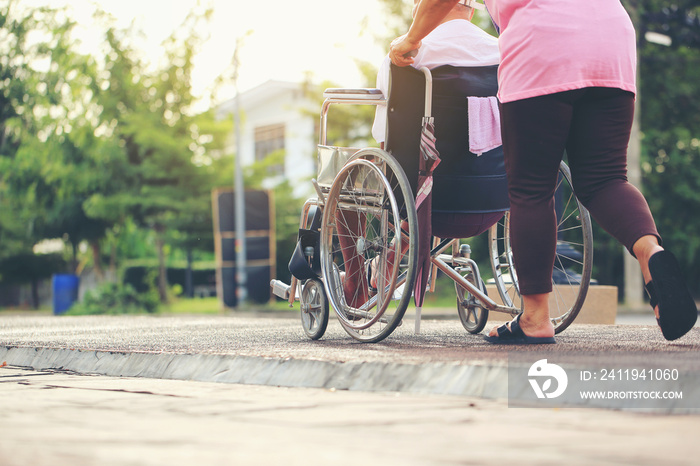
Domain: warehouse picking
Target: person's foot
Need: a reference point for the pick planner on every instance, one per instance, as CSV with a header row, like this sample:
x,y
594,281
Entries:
x,y
644,249
512,333
535,329
372,272
355,289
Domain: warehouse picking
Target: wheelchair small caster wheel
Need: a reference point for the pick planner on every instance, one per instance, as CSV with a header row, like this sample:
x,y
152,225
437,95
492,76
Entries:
x,y
472,316
314,308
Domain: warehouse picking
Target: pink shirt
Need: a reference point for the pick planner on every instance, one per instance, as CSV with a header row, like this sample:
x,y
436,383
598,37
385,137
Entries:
x,y
550,46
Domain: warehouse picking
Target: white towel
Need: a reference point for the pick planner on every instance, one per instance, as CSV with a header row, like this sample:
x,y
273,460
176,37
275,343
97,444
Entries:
x,y
484,124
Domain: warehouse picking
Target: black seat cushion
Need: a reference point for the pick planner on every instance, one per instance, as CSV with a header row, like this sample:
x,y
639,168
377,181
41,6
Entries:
x,y
463,182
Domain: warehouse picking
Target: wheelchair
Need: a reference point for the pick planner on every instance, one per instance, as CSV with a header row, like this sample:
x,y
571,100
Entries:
x,y
364,223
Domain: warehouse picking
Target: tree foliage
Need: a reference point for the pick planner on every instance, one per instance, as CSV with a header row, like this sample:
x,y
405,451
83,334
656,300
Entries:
x,y
165,183
88,146
669,88
45,134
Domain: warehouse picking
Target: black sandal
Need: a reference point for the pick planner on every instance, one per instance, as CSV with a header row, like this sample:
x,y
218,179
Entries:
x,y
677,309
513,335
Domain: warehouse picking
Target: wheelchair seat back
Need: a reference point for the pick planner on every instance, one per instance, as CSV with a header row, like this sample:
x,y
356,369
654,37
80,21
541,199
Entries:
x,y
464,183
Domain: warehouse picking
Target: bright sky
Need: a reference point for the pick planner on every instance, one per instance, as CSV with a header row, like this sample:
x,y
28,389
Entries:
x,y
288,38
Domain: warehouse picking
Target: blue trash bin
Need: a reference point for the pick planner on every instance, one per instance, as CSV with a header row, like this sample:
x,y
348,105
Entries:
x,y
65,292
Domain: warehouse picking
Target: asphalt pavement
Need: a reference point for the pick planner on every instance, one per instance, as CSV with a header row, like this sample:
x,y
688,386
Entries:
x,y
271,349
251,388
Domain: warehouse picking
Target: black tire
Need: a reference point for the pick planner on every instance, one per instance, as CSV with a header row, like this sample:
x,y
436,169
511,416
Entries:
x,y
472,316
367,188
314,308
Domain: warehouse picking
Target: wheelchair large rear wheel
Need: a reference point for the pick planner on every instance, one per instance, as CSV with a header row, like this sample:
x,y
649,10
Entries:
x,y
572,264
369,224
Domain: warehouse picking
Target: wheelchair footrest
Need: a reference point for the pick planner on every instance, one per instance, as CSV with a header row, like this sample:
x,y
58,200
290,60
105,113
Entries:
x,y
280,289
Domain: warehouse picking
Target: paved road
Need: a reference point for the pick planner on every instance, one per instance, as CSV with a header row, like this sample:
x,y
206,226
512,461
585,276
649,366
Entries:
x,y
271,336
139,390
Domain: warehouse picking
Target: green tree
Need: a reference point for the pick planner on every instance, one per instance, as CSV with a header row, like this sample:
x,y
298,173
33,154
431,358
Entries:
x,y
166,183
397,16
46,137
670,121
19,81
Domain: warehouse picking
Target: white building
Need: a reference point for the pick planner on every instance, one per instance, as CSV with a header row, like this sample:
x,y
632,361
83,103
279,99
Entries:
x,y
279,115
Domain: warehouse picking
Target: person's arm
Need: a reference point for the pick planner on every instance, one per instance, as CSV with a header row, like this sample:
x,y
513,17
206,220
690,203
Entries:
x,y
428,16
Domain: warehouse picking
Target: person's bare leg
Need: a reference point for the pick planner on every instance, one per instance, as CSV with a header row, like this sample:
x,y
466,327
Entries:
x,y
391,257
535,318
351,225
644,248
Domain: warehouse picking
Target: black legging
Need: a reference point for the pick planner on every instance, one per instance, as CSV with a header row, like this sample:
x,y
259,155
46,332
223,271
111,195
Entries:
x,y
593,126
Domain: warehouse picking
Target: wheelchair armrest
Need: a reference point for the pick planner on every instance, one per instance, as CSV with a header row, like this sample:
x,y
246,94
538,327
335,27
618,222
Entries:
x,y
331,96
353,94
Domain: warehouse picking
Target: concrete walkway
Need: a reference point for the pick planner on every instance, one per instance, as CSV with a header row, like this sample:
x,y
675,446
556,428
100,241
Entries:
x,y
60,419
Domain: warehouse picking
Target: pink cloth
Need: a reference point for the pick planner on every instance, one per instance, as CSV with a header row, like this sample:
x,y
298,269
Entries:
x,y
550,46
424,190
484,124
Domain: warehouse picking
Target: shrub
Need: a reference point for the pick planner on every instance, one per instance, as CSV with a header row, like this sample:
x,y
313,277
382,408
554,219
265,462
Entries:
x,y
115,298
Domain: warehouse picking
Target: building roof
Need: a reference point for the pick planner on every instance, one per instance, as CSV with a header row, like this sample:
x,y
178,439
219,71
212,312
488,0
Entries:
x,y
259,94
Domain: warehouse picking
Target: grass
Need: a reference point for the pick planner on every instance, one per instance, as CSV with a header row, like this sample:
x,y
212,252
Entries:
x,y
22,311
444,295
212,306
191,306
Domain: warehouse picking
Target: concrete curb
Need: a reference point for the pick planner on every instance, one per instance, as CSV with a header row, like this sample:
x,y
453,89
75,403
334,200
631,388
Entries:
x,y
478,380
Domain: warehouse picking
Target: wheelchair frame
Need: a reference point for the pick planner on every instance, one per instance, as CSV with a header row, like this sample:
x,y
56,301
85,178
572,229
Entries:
x,y
473,302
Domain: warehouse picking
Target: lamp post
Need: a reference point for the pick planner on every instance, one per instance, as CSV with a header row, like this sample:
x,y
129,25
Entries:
x,y
239,193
